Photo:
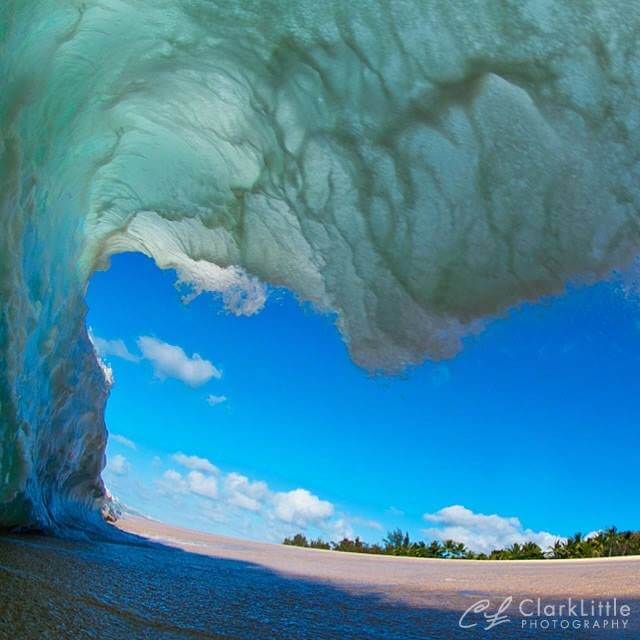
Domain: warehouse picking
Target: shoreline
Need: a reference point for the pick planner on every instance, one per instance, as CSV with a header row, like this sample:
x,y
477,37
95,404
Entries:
x,y
442,583
154,581
126,529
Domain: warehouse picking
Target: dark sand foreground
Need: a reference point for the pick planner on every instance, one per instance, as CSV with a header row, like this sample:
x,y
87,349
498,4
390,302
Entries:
x,y
186,584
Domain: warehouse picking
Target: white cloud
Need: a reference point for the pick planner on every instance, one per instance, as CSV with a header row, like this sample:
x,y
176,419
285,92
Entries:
x,y
124,441
480,532
119,465
172,482
214,400
241,492
202,496
116,348
300,507
172,475
196,463
201,485
170,361
339,529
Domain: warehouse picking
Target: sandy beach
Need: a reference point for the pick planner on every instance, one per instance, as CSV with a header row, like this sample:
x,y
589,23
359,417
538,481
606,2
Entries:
x,y
448,584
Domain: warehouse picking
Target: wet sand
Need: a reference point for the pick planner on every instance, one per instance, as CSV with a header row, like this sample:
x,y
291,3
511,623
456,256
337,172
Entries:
x,y
158,582
415,581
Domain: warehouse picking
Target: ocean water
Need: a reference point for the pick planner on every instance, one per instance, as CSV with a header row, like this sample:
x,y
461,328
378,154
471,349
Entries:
x,y
413,166
61,589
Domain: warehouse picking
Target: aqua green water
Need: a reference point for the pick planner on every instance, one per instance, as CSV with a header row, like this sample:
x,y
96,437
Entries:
x,y
416,166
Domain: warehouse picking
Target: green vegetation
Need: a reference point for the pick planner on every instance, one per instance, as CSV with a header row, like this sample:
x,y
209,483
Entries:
x,y
301,541
608,543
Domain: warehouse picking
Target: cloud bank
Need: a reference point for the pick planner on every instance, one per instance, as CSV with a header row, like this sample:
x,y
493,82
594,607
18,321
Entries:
x,y
480,532
233,497
202,495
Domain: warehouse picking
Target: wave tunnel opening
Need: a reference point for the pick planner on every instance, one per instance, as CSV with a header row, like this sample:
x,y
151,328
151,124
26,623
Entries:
x,y
413,167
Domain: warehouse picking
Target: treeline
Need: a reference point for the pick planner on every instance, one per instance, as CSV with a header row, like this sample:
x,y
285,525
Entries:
x,y
608,543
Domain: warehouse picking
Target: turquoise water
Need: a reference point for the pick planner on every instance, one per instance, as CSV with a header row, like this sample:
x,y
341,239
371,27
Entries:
x,y
413,166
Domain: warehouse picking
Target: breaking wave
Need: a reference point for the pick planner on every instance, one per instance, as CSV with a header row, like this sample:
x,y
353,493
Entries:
x,y
413,166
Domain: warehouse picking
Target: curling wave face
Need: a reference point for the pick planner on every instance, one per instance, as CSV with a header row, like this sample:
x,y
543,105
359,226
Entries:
x,y
413,166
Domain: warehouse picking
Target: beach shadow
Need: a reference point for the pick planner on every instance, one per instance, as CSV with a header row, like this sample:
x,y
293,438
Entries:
x,y
130,587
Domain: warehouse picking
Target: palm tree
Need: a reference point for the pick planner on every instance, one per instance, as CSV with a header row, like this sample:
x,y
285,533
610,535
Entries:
x,y
559,550
573,546
532,551
394,541
609,540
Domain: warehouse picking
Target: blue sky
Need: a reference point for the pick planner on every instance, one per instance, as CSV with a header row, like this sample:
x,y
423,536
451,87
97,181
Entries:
x,y
536,419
